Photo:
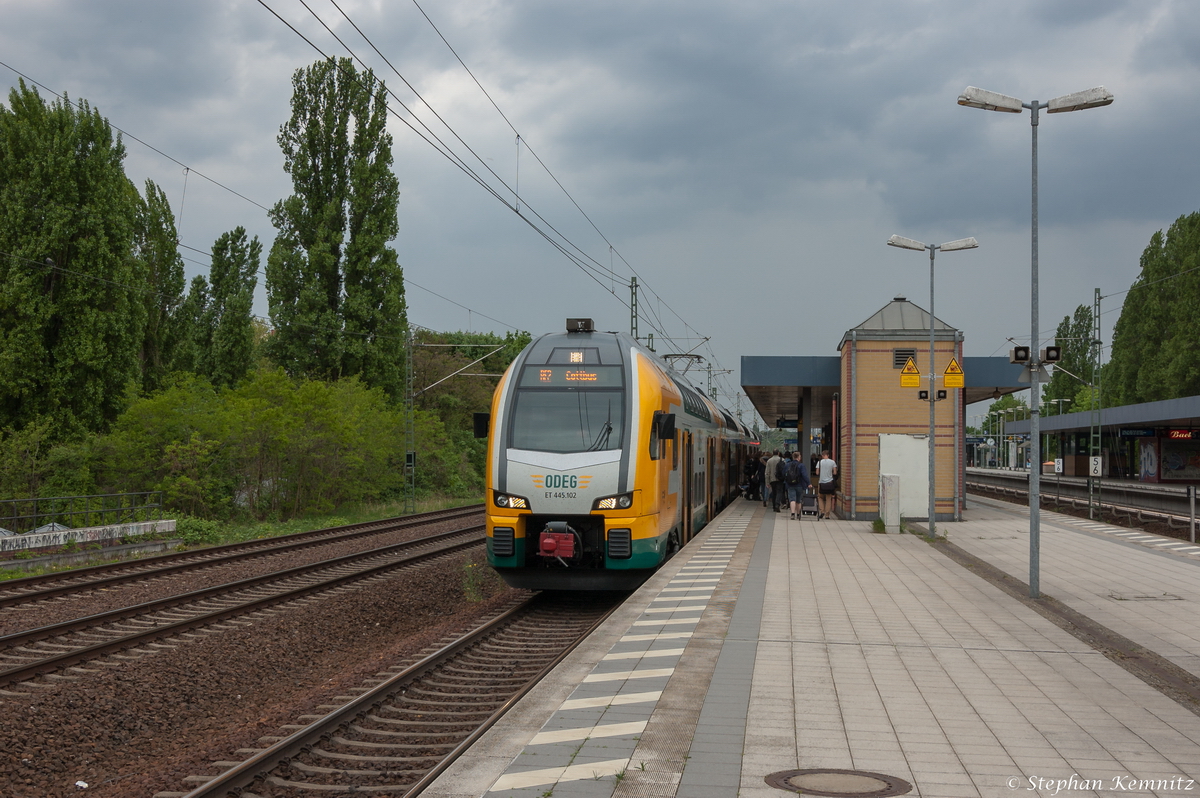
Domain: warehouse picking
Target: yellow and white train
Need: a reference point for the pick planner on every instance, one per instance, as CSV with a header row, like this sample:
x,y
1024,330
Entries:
x,y
602,461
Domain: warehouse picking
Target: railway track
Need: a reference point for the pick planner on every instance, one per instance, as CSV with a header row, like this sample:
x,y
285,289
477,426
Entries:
x,y
399,735
1113,510
28,654
42,587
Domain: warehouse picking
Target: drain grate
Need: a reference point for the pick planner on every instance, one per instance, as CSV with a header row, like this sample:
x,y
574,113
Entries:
x,y
839,783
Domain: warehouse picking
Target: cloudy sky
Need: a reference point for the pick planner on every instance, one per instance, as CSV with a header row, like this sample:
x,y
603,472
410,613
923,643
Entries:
x,y
746,159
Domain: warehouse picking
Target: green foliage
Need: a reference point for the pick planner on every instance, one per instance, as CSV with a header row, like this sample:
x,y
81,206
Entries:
x,y
194,337
335,289
197,531
73,305
1082,401
1156,343
1075,370
1016,405
158,250
455,399
228,316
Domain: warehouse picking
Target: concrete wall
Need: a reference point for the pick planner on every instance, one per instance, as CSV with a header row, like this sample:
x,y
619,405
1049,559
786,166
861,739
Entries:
x,y
84,535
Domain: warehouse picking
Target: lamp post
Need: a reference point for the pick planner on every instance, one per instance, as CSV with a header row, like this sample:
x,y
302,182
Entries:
x,y
949,246
991,101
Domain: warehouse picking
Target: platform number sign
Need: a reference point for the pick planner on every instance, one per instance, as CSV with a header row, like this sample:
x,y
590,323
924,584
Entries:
x,y
1095,467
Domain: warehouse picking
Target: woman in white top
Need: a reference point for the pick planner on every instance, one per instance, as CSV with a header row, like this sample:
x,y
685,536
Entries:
x,y
826,487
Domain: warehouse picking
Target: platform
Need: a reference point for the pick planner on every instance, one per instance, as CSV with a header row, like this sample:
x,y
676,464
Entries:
x,y
771,645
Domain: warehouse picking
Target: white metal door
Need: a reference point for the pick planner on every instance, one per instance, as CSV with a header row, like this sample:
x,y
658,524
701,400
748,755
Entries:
x,y
907,456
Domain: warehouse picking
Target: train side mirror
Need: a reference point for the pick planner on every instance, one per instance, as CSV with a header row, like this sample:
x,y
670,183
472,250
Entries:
x,y
481,424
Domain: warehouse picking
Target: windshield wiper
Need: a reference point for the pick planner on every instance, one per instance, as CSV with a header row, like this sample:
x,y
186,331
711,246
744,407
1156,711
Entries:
x,y
601,441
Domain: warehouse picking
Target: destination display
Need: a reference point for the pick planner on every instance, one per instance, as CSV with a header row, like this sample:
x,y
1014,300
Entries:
x,y
571,377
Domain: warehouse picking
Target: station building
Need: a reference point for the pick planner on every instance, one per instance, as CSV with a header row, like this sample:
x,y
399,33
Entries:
x,y
853,403
1157,442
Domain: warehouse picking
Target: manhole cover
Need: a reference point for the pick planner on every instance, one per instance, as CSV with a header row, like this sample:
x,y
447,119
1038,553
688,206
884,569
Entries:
x,y
839,783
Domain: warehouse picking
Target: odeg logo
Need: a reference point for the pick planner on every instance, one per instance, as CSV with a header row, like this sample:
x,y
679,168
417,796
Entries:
x,y
562,481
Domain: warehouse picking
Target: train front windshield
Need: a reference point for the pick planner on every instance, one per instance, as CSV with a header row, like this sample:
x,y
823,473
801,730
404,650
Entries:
x,y
568,421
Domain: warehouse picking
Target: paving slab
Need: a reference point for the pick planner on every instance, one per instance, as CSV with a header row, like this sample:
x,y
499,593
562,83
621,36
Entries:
x,y
825,645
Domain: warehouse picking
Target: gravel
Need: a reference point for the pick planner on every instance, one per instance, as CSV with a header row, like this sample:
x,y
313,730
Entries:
x,y
143,726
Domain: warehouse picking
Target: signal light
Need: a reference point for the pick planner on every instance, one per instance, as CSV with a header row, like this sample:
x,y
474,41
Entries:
x,y
923,396
1051,354
1019,354
941,395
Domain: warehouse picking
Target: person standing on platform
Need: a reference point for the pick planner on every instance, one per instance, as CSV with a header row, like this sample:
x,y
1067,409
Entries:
x,y
826,485
774,477
764,484
795,480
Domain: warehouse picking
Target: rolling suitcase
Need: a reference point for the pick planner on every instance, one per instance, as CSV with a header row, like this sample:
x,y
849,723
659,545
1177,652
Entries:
x,y
808,503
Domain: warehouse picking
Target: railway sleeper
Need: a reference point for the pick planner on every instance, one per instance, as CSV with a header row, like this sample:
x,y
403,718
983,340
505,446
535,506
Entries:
x,y
452,735
305,767
475,707
446,727
429,760
447,746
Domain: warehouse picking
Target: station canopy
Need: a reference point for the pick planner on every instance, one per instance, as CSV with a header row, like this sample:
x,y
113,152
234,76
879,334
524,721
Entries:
x,y
776,385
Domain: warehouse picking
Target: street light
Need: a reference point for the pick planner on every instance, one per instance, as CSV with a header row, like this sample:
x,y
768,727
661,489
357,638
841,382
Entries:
x,y
949,246
973,97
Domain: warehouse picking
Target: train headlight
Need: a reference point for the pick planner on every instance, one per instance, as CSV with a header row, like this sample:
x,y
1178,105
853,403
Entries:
x,y
621,501
510,502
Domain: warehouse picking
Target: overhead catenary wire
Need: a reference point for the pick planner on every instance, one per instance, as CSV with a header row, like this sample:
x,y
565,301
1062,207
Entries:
x,y
585,262
657,322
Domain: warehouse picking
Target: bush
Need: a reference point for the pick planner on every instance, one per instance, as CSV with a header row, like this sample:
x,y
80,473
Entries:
x,y
198,531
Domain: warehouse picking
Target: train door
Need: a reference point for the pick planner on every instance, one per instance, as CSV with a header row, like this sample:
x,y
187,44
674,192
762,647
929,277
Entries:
x,y
685,439
711,460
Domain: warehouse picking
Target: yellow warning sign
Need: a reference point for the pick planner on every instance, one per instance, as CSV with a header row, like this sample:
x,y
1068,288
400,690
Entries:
x,y
910,377
954,375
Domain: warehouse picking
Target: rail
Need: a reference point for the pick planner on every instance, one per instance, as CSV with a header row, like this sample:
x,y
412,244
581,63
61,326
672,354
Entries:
x,y
1173,505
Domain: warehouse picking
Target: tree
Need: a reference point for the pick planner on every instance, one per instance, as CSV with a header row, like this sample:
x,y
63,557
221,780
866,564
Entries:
x,y
335,289
1076,369
228,317
157,246
192,330
72,293
1156,343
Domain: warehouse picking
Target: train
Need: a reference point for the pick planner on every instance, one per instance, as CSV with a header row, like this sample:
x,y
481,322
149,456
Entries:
x,y
602,462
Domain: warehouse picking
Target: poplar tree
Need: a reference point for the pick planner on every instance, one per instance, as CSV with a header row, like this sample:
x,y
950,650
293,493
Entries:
x,y
228,318
1074,335
1156,341
72,292
334,287
158,249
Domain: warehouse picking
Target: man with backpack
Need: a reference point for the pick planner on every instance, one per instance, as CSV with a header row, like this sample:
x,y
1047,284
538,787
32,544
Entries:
x,y
795,479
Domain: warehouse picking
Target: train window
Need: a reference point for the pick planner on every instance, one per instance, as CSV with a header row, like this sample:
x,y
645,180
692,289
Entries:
x,y
662,429
675,452
568,421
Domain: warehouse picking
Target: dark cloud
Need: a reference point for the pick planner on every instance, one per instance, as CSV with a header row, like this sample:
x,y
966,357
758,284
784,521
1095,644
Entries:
x,y
766,148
